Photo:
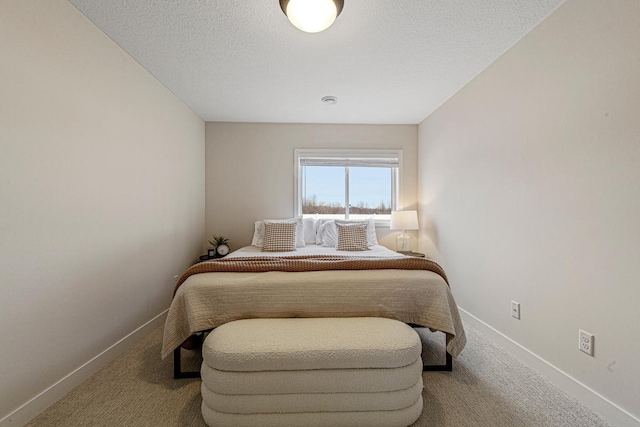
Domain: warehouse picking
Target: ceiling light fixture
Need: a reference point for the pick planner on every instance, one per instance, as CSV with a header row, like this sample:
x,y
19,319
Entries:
x,y
312,16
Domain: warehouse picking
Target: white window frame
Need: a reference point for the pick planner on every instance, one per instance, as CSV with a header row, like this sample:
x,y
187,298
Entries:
x,y
396,185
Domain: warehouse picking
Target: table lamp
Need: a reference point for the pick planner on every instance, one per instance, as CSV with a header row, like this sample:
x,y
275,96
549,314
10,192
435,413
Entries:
x,y
404,220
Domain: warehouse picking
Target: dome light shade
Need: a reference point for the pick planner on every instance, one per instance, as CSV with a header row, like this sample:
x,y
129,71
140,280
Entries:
x,y
312,16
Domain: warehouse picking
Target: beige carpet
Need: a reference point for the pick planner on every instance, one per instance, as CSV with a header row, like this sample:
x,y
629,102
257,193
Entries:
x,y
486,388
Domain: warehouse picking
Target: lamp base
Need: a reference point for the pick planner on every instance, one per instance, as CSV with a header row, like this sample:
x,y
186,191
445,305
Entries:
x,y
404,242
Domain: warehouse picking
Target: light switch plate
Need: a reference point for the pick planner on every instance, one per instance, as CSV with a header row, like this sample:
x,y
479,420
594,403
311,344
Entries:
x,y
515,310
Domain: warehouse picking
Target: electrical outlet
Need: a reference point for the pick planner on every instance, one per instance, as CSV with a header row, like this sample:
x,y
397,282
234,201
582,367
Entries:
x,y
515,309
585,343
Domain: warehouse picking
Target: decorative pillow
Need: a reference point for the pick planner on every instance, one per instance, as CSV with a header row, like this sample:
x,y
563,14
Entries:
x,y
372,238
352,237
258,233
279,236
309,225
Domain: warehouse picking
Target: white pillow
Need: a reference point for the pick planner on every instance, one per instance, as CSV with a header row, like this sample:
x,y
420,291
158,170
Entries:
x,y
372,238
320,229
329,234
309,230
258,231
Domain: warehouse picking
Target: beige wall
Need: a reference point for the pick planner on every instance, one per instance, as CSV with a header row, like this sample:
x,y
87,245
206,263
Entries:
x,y
250,169
530,176
101,195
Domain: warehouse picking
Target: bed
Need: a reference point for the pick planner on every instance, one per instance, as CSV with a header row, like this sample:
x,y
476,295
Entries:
x,y
313,281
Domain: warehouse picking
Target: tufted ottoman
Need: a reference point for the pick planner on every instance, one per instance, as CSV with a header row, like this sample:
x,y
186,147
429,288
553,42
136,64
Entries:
x,y
360,371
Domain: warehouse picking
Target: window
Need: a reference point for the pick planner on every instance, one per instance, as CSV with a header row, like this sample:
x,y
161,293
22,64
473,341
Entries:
x,y
348,184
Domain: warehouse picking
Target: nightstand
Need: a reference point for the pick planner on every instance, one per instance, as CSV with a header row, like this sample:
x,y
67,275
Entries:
x,y
208,258
411,253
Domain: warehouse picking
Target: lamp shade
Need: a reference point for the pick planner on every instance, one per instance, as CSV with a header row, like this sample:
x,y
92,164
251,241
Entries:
x,y
312,16
404,220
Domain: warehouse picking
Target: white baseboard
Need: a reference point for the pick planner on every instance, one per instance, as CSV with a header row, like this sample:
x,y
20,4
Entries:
x,y
51,395
614,414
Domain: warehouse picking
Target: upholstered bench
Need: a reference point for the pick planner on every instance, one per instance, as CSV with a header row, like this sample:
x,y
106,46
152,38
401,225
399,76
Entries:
x,y
312,372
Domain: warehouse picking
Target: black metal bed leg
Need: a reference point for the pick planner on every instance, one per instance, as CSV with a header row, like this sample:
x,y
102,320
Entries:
x,y
177,367
447,367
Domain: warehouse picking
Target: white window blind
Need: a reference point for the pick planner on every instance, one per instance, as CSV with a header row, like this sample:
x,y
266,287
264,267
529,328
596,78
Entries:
x,y
355,162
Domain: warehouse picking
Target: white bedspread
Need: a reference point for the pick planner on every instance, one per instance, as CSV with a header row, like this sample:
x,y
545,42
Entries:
x,y
376,251
211,299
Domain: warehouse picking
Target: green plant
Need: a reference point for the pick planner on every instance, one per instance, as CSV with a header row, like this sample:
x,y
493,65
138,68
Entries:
x,y
218,240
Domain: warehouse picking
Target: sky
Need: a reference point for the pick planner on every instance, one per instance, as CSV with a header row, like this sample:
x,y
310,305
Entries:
x,y
371,185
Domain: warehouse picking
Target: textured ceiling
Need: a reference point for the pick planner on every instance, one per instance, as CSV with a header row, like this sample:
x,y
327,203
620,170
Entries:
x,y
387,61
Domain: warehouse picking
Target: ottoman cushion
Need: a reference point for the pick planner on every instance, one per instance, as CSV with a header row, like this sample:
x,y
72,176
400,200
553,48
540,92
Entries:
x,y
302,344
312,381
398,418
311,402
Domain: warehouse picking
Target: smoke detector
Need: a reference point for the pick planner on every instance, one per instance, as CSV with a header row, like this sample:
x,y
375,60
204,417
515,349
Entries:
x,y
330,100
